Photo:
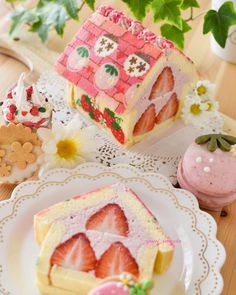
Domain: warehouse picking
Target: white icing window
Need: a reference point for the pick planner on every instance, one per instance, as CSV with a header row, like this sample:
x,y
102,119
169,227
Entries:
x,y
105,45
136,65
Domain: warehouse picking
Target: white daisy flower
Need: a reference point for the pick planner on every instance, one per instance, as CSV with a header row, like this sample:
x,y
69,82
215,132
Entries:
x,y
67,146
204,89
194,109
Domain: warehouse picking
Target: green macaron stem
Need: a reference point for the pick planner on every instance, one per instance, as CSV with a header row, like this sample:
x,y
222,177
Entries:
x,y
230,139
223,145
214,141
212,145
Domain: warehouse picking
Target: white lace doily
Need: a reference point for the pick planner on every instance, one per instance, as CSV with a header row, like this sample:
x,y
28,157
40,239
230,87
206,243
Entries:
x,y
158,153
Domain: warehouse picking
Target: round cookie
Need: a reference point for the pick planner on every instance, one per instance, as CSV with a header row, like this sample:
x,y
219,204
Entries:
x,y
208,170
20,153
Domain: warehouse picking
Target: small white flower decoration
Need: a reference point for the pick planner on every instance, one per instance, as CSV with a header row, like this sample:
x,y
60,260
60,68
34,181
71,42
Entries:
x,y
126,281
204,89
194,109
201,110
67,146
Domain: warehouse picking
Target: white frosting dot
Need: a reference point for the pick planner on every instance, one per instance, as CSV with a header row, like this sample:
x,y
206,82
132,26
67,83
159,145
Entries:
x,y
206,169
211,160
199,160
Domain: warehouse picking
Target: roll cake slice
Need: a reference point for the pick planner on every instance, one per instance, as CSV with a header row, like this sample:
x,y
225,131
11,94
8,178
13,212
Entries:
x,y
97,235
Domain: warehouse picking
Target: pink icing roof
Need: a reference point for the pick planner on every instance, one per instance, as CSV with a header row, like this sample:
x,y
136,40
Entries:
x,y
131,38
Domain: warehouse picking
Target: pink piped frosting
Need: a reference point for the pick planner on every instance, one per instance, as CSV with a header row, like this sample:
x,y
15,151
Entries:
x,y
135,27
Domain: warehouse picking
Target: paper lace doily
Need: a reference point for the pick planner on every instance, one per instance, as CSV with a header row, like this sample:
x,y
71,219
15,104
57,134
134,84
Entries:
x,y
158,153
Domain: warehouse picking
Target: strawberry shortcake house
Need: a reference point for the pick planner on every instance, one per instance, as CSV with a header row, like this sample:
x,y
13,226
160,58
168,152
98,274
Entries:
x,y
123,76
95,236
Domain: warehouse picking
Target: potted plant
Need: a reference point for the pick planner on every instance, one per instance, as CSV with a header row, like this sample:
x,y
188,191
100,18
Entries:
x,y
229,51
47,14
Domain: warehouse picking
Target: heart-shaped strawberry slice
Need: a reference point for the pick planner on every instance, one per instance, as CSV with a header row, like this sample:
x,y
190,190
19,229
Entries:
x,y
24,113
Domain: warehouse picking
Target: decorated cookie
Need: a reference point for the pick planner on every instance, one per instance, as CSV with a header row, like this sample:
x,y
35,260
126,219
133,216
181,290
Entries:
x,y
125,284
20,153
27,106
208,170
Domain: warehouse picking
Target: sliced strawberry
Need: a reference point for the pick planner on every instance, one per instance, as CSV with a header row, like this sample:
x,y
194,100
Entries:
x,y
29,92
116,260
146,122
34,111
109,219
76,253
169,110
12,108
85,103
10,116
164,83
24,113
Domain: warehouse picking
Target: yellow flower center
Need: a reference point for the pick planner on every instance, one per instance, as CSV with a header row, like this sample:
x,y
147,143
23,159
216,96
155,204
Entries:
x,y
125,282
201,90
67,149
195,109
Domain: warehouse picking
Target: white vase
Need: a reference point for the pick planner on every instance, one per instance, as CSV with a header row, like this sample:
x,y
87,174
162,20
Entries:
x,y
229,52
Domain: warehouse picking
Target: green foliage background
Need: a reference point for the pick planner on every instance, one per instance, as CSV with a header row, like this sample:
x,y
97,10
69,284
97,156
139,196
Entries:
x,y
49,14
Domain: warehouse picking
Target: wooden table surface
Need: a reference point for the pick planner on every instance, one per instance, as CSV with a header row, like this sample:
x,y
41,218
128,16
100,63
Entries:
x,y
209,65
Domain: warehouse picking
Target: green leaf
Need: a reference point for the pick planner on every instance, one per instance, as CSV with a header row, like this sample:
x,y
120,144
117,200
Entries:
x,y
72,8
20,17
175,34
41,29
168,10
90,3
60,21
138,7
219,22
189,3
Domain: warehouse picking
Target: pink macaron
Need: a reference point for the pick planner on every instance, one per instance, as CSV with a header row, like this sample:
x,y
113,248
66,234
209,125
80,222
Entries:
x,y
208,170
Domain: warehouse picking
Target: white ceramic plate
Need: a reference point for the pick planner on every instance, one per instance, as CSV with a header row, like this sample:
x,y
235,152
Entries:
x,y
198,255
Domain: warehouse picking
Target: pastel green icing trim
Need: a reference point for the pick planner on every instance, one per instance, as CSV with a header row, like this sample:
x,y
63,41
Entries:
x,y
214,141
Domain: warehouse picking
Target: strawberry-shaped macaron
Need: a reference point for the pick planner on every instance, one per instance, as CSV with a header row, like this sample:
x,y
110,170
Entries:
x,y
124,284
208,170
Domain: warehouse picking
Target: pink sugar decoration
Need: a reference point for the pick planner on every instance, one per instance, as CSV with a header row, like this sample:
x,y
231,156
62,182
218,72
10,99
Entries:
x,y
135,27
